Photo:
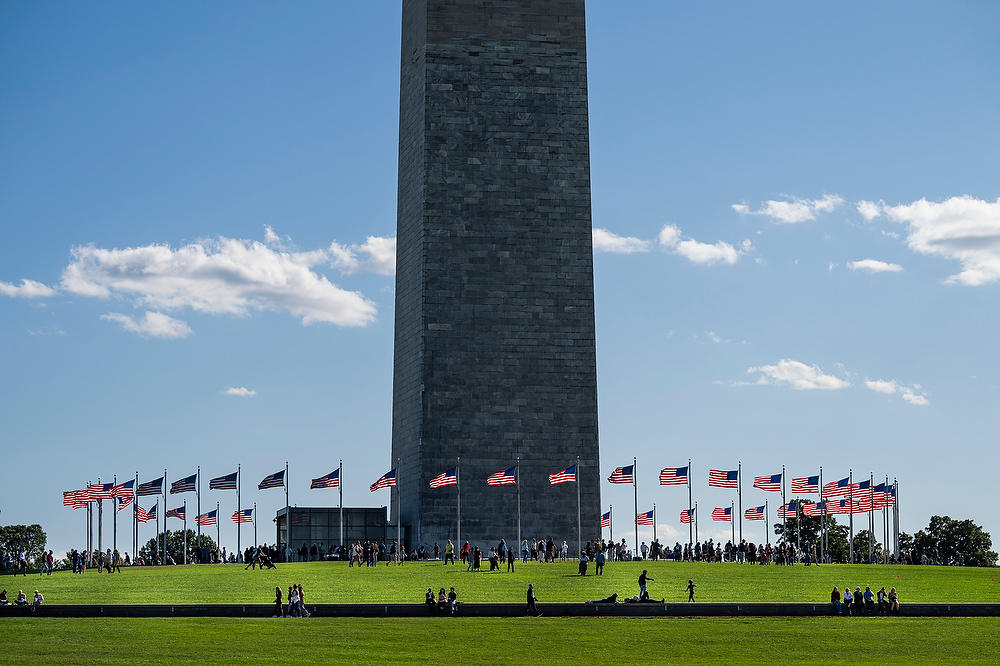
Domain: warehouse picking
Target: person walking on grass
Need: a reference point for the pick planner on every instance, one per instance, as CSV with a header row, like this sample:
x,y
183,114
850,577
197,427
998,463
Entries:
x,y
643,577
510,560
690,589
531,601
277,602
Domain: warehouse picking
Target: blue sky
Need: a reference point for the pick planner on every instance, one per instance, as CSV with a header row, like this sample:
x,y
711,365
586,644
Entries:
x,y
798,259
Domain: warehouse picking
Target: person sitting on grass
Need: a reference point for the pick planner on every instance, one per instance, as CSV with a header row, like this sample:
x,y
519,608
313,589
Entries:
x,y
37,601
3,598
21,599
835,600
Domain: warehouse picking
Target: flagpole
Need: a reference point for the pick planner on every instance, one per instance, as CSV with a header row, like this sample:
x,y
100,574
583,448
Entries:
x,y
100,520
184,541
340,486
798,528
695,526
458,491
90,528
767,530
784,503
135,519
114,509
739,493
850,515
822,520
198,525
579,529
635,494
399,515
288,519
163,558
690,525
885,524
218,530
733,523
517,481
871,516
654,524
895,516
611,523
239,508
255,524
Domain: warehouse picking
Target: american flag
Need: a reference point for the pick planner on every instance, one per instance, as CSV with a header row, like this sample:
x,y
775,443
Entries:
x,y
176,513
449,478
863,490
622,474
674,476
840,488
276,480
101,491
723,478
754,513
151,514
841,506
805,485
227,482
76,498
185,485
126,489
771,484
331,480
140,514
687,516
503,478
812,510
787,510
568,475
125,501
882,496
384,481
154,487
207,518
722,514
644,518
606,519
243,516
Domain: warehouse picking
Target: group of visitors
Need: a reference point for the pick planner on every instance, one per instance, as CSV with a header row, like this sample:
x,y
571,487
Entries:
x,y
864,603
256,556
445,603
296,602
22,599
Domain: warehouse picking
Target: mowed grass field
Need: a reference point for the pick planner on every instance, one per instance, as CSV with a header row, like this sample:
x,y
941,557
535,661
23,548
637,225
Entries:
x,y
501,641
329,582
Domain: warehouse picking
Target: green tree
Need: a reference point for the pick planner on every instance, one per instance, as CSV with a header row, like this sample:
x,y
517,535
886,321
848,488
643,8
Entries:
x,y
809,531
175,544
949,541
862,541
29,538
905,543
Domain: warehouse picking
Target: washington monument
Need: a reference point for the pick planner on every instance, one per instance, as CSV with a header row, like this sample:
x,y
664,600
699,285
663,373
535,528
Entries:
x,y
494,331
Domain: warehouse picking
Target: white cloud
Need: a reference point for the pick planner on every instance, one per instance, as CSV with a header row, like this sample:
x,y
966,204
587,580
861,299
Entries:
x,y
378,256
698,252
152,325
240,392
221,276
874,266
911,394
606,241
798,375
27,289
793,211
869,209
963,228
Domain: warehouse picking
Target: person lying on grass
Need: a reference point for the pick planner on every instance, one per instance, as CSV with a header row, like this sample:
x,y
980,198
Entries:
x,y
613,599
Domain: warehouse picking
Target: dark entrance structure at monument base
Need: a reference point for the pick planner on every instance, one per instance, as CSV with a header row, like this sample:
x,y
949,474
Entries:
x,y
494,339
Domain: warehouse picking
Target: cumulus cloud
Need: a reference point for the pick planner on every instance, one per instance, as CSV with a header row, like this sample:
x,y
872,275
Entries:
x,y
240,392
220,276
911,394
874,266
606,241
27,289
794,210
701,253
964,229
376,255
798,375
869,209
151,325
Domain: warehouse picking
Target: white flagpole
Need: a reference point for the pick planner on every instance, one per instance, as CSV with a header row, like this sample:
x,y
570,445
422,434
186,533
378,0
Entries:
x,y
184,534
114,517
690,523
163,557
635,505
822,520
218,529
399,516
135,519
340,486
255,524
198,522
739,493
579,529
732,524
654,524
100,520
239,508
458,495
288,520
517,482
784,504
767,529
850,515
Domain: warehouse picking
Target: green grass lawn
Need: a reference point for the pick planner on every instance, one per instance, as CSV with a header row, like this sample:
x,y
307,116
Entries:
x,y
500,641
334,582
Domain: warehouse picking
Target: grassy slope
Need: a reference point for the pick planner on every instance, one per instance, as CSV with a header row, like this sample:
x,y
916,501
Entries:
x,y
334,582
468,640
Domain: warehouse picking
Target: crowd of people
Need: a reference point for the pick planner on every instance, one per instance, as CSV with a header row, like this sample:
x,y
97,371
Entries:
x,y
296,602
864,603
22,599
